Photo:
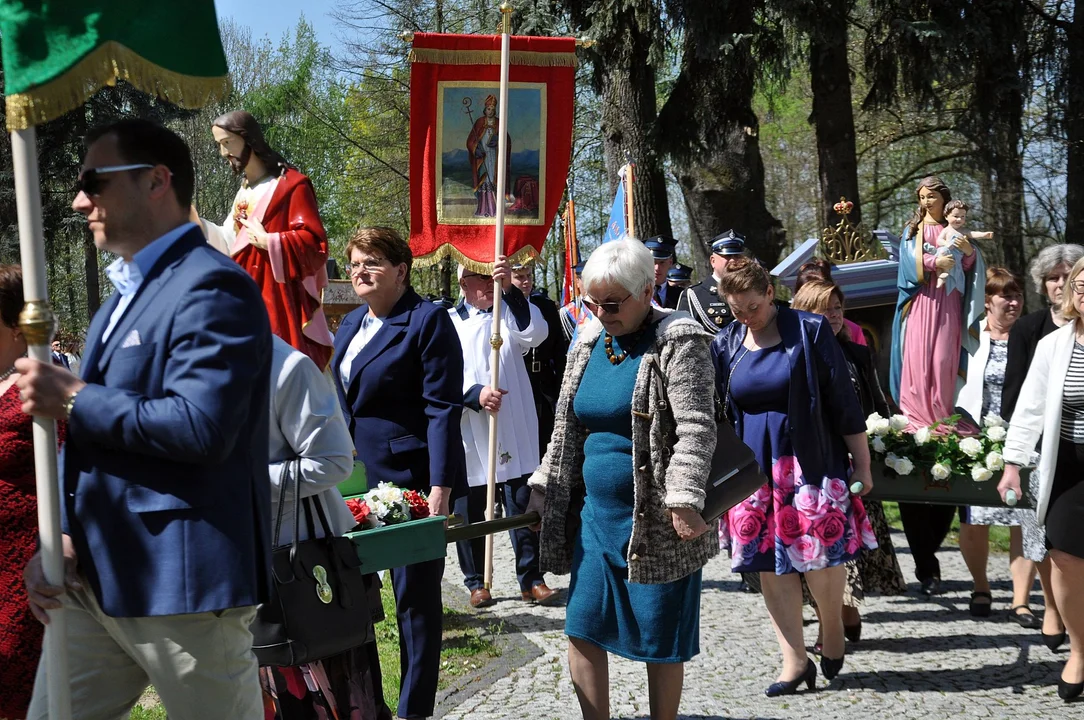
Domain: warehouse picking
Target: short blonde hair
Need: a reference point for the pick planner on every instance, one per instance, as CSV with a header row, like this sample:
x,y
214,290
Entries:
x,y
1068,307
815,296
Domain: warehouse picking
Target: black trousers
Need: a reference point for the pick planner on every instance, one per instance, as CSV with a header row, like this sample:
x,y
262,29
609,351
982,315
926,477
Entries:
x,y
926,527
514,496
419,613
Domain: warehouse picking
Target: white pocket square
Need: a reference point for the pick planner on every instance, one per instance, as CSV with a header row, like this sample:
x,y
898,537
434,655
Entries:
x,y
131,340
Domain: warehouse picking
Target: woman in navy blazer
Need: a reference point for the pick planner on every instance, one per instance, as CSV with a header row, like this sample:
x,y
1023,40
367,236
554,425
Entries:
x,y
787,389
398,370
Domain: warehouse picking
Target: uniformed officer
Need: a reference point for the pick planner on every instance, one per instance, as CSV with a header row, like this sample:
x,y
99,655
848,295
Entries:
x,y
702,300
575,314
679,277
663,248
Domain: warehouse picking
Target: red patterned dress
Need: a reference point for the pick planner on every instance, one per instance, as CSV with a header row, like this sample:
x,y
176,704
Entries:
x,y
20,633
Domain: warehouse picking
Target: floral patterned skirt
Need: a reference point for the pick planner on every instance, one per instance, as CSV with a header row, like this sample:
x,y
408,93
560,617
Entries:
x,y
794,525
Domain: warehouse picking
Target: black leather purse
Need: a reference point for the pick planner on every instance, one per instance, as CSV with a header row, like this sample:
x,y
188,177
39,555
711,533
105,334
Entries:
x,y
734,473
318,605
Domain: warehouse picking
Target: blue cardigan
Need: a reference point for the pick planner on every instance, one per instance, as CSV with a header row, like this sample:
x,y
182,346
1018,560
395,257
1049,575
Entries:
x,y
822,406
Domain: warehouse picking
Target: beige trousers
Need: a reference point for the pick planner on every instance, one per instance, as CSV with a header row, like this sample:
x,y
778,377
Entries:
x,y
201,665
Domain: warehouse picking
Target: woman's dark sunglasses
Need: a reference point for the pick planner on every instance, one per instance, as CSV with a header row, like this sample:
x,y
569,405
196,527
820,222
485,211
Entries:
x,y
91,182
611,308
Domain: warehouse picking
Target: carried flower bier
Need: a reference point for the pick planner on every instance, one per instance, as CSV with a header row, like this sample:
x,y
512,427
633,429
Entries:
x,y
394,528
926,466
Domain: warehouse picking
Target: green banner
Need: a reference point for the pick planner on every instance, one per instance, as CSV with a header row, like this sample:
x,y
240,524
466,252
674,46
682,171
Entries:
x,y
58,53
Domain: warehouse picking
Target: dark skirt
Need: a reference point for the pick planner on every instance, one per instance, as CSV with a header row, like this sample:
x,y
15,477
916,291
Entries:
x,y
1064,531
339,687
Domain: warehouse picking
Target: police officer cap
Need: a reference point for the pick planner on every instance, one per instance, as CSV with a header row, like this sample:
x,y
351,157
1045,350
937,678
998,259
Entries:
x,y
661,247
525,264
680,273
579,267
728,243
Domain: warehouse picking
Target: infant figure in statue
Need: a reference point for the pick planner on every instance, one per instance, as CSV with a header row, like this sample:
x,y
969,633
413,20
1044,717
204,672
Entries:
x,y
952,241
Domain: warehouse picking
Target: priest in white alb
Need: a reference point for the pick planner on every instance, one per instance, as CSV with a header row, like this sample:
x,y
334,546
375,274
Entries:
x,y
522,327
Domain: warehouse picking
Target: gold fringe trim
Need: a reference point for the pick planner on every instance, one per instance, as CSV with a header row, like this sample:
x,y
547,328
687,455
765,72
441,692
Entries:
x,y
492,57
447,250
104,66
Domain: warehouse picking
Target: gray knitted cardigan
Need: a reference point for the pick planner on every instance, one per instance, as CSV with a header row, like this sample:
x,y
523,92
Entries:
x,y
672,445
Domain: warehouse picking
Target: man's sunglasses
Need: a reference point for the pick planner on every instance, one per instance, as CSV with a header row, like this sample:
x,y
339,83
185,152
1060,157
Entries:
x,y
92,183
611,308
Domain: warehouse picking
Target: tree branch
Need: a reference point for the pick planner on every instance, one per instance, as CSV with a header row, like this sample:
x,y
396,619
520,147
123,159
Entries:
x,y
1045,15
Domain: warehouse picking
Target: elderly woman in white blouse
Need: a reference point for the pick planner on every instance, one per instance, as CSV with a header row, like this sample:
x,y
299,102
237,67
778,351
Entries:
x,y
1051,407
307,423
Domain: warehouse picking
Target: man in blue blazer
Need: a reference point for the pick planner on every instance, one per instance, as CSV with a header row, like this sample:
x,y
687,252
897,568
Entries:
x,y
166,500
398,368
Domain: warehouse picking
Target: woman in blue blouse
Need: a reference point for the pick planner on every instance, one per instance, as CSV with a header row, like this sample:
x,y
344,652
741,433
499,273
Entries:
x,y
784,380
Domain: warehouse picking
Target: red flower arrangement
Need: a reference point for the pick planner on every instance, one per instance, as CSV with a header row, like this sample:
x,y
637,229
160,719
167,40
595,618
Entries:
x,y
419,506
388,505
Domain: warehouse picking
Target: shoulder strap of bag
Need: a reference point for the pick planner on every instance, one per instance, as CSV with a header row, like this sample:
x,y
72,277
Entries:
x,y
284,478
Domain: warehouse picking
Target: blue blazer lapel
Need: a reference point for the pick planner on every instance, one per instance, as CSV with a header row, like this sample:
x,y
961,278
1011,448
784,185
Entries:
x,y
148,290
348,328
94,337
790,330
395,324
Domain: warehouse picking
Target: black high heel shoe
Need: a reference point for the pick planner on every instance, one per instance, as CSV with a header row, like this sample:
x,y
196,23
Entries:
x,y
1053,641
1068,691
853,632
808,676
831,666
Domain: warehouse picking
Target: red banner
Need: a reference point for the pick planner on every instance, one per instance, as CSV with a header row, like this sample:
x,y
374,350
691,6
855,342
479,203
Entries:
x,y
454,90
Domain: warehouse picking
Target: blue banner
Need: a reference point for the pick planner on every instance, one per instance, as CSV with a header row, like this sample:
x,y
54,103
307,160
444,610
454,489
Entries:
x,y
617,229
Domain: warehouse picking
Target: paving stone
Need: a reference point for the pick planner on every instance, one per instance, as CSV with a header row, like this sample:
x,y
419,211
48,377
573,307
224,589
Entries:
x,y
918,659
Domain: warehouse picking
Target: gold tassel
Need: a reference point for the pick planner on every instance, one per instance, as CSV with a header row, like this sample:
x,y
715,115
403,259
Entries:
x,y
104,66
492,57
522,255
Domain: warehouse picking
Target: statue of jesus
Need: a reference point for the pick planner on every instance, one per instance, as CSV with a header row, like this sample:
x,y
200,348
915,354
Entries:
x,y
274,231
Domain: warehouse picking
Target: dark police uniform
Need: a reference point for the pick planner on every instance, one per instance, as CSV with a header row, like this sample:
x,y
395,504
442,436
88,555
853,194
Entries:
x,y
703,300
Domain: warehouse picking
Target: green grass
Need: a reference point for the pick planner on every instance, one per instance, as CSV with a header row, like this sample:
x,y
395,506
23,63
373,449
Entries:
x,y
463,649
999,536
155,713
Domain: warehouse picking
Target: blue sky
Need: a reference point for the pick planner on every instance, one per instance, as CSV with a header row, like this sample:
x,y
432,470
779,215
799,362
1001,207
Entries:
x,y
275,17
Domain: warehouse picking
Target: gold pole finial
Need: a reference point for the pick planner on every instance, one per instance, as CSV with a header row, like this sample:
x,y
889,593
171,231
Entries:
x,y
407,36
37,322
506,18
585,42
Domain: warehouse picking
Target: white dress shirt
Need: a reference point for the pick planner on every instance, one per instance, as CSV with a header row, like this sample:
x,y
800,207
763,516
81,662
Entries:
x,y
369,327
127,276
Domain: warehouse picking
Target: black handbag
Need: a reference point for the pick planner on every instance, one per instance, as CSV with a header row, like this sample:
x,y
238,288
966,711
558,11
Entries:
x,y
318,606
735,473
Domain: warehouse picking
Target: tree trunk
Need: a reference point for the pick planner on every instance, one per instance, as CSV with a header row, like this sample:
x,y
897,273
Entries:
x,y
629,114
710,131
1074,129
994,122
833,118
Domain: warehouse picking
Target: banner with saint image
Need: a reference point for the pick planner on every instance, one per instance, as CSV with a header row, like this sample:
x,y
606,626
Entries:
x,y
454,116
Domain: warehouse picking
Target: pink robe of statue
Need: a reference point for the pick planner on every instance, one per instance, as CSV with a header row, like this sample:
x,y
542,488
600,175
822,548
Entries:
x,y
931,346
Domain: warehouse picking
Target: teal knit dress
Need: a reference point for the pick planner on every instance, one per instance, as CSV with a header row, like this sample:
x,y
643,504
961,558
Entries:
x,y
649,623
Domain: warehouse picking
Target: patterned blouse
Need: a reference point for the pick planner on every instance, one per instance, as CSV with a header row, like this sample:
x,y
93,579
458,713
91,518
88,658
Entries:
x,y
993,379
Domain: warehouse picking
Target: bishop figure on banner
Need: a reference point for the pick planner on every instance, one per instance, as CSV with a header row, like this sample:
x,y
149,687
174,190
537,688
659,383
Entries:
x,y
274,232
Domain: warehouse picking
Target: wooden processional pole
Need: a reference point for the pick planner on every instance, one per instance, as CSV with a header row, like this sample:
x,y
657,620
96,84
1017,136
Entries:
x,y
498,250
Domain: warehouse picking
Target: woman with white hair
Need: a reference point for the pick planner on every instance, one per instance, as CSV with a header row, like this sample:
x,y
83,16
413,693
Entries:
x,y
1049,273
623,482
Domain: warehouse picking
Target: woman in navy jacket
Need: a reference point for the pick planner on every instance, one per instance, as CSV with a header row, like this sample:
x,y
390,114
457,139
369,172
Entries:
x,y
785,383
398,370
